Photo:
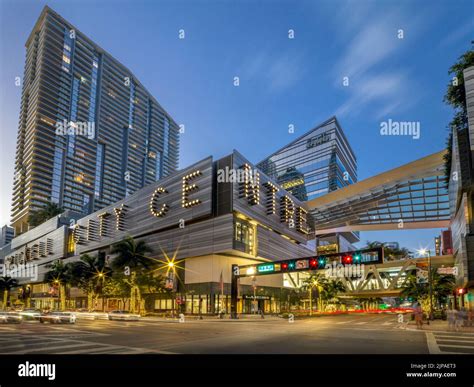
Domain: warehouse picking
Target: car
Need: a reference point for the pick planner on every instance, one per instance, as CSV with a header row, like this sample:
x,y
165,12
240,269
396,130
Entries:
x,y
30,314
123,315
91,315
10,317
58,318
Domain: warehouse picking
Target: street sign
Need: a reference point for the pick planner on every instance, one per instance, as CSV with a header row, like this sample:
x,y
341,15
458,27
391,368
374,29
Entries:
x,y
448,270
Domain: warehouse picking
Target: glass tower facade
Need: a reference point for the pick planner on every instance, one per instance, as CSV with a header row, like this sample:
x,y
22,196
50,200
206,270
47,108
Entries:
x,y
89,132
316,163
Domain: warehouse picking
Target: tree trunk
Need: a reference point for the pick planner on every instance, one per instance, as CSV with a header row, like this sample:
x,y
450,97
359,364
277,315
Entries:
x,y
5,299
89,300
62,290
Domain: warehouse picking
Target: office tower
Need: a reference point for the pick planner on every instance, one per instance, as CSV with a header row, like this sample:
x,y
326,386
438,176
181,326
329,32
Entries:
x,y
314,164
318,162
90,133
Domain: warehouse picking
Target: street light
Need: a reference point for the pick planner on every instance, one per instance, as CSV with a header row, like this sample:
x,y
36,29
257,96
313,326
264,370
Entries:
x,y
424,252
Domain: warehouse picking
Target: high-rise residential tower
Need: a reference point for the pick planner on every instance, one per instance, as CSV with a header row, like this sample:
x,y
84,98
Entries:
x,y
89,133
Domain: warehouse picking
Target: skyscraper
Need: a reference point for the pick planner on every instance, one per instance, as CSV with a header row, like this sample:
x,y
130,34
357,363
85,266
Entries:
x,y
314,164
318,162
89,133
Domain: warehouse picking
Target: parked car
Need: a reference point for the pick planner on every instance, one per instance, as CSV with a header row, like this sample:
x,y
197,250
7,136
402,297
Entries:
x,y
58,318
123,315
10,317
91,315
30,314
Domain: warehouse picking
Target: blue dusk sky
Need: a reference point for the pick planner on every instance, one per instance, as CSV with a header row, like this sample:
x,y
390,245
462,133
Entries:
x,y
282,81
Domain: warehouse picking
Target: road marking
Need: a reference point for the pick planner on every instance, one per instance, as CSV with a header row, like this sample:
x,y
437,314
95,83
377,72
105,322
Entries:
x,y
456,346
388,323
26,343
345,322
361,323
432,345
48,349
456,340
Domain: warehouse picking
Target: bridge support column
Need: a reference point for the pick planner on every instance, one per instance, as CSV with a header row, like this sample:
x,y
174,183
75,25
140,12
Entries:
x,y
234,291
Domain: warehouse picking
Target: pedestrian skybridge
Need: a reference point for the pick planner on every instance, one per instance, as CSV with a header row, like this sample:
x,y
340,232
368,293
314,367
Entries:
x,y
412,196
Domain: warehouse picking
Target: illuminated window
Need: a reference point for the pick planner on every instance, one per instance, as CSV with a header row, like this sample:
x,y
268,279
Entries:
x,y
244,236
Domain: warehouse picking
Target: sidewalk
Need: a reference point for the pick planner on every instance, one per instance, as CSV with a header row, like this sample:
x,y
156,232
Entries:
x,y
437,326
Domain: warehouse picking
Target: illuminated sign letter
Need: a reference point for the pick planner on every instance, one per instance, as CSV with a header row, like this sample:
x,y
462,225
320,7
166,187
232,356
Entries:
x,y
119,217
287,210
250,186
187,188
301,220
76,235
103,223
153,207
270,203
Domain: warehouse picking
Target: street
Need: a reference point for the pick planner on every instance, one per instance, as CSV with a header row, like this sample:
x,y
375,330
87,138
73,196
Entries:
x,y
343,334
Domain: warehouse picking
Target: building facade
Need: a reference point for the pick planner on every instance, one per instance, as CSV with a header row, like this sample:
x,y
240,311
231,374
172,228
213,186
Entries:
x,y
461,197
319,162
203,217
89,133
7,233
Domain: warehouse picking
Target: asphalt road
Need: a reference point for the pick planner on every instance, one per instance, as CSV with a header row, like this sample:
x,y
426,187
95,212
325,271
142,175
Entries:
x,y
343,334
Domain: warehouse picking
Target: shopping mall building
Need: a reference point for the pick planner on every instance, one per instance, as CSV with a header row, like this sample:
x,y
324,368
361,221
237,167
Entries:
x,y
207,217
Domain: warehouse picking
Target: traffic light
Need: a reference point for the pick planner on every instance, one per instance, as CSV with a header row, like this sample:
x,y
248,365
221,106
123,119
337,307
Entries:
x,y
284,266
460,291
357,258
291,265
322,261
313,263
347,259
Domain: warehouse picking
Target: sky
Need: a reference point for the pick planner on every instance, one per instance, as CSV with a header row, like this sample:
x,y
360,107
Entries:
x,y
395,55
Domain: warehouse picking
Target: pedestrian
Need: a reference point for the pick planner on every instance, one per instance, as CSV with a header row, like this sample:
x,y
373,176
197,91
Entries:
x,y
470,317
419,317
463,317
451,319
458,320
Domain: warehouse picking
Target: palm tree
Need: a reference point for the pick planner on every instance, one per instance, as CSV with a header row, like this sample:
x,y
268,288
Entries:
x,y
332,289
49,211
441,287
131,254
6,284
59,276
90,274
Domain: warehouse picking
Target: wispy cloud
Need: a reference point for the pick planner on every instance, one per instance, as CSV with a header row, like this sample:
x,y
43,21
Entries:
x,y
463,31
276,73
374,87
383,94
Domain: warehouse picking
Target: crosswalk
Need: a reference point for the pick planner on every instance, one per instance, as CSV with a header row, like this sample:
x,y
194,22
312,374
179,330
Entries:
x,y
450,342
366,322
16,344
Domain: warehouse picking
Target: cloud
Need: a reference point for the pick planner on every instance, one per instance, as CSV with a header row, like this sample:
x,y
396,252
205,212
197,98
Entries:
x,y
383,93
275,73
367,60
463,31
